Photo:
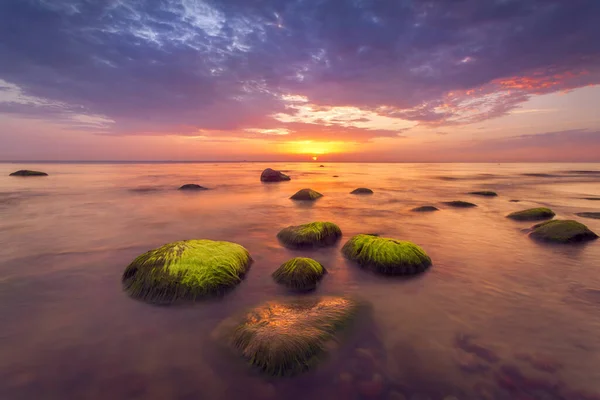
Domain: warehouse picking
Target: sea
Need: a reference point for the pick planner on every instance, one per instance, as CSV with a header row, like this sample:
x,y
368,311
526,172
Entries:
x,y
497,316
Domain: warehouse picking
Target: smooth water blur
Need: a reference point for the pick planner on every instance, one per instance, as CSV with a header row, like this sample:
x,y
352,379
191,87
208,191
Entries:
x,y
69,332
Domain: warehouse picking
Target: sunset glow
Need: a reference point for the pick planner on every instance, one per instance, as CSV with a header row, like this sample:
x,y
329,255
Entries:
x,y
230,80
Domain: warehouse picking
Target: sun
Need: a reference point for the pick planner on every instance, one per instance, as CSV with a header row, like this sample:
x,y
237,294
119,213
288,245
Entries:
x,y
314,158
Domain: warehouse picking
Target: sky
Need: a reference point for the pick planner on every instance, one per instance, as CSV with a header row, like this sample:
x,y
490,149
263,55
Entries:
x,y
342,80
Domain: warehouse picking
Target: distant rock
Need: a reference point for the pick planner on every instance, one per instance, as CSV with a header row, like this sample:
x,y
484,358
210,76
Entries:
x,y
532,214
362,190
460,204
270,175
514,201
336,176
192,186
314,234
306,194
540,175
386,256
594,215
592,198
562,231
26,172
299,274
321,166
425,209
486,193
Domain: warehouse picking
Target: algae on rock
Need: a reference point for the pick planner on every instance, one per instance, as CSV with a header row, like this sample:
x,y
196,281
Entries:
x,y
532,214
314,234
186,270
386,256
299,273
562,231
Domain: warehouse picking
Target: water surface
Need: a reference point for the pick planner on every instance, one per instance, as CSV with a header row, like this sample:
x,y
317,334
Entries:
x,y
495,310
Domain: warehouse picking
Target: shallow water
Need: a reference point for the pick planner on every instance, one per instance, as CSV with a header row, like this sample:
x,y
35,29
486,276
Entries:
x,y
498,316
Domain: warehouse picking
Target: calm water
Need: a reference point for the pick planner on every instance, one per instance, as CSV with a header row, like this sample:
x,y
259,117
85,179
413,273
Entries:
x,y
498,316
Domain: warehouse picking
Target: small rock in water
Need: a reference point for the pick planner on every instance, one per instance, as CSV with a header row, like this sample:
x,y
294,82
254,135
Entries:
x,y
362,190
27,172
593,215
270,175
192,186
425,209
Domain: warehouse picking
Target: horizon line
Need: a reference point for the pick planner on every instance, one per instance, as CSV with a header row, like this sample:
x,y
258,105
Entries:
x,y
278,161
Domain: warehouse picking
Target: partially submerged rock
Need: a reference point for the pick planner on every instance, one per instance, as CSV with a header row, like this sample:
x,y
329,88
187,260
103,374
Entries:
x,y
306,194
299,273
425,209
288,338
514,201
460,204
593,215
532,214
486,193
562,231
386,256
186,270
321,166
362,190
192,186
314,234
27,172
270,175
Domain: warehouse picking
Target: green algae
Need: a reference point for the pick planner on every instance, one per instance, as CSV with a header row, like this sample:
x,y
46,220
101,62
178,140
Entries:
x,y
186,270
289,338
532,214
562,231
486,193
362,191
460,204
386,256
425,209
306,194
299,273
314,234
27,172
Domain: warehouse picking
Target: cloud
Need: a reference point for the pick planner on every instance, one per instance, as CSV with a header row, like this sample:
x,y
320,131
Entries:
x,y
351,70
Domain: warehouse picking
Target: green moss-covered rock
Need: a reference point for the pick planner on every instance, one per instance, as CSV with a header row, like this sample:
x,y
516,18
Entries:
x,y
270,175
562,231
306,194
532,214
425,209
288,338
192,187
486,193
314,234
362,191
593,215
460,204
26,172
386,256
186,270
300,273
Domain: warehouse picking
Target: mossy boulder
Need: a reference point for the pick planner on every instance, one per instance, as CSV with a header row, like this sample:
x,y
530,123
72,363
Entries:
x,y
270,175
26,172
299,273
362,191
532,214
386,256
288,338
186,270
562,231
306,194
486,193
425,209
460,204
314,234
594,215
192,187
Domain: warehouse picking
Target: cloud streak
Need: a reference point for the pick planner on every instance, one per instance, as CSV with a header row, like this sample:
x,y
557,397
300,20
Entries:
x,y
289,69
